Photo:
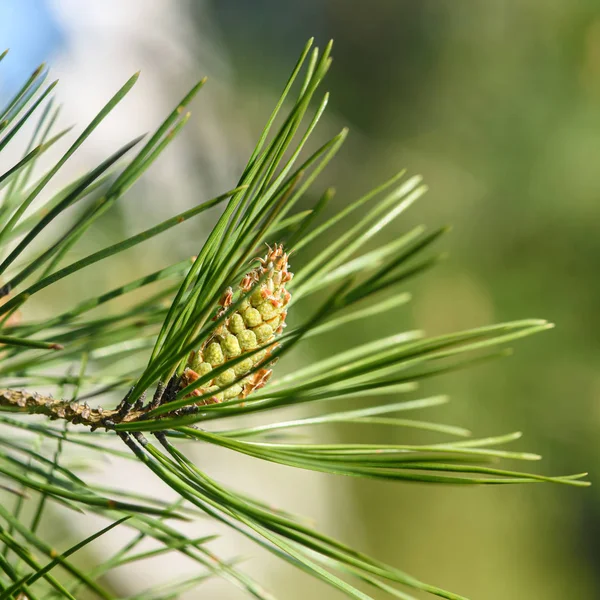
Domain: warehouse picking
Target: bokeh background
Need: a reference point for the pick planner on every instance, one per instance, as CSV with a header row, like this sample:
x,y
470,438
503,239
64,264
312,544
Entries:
x,y
497,104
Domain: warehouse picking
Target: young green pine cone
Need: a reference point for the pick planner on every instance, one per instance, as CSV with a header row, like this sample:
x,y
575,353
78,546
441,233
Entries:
x,y
258,320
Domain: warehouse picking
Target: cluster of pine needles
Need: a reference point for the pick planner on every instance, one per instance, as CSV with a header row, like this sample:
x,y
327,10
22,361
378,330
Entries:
x,y
66,366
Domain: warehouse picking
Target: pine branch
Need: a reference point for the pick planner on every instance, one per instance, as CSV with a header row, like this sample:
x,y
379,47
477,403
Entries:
x,y
202,346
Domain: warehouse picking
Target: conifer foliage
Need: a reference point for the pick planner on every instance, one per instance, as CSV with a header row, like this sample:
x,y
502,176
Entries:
x,y
201,342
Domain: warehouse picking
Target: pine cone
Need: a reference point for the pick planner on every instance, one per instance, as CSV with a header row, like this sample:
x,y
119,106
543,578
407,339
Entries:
x,y
259,319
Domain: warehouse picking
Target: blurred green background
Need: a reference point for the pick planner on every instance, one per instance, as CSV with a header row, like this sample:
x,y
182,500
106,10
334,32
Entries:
x,y
497,104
